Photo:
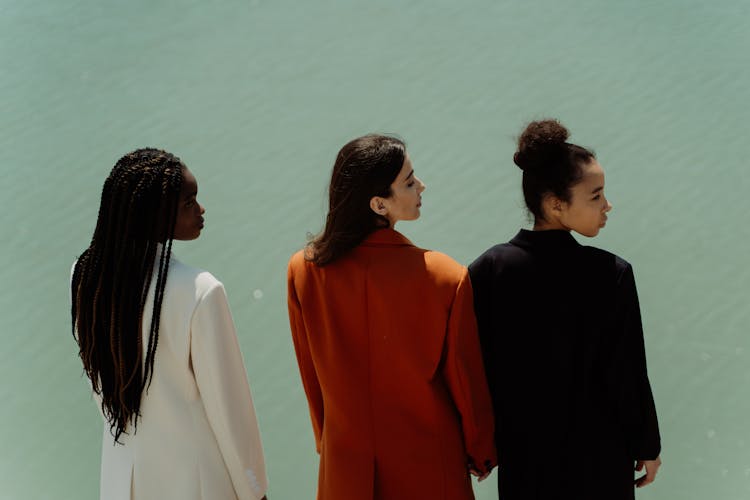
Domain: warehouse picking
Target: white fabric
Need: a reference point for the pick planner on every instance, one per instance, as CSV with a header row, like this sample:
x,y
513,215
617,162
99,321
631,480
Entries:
x,y
198,436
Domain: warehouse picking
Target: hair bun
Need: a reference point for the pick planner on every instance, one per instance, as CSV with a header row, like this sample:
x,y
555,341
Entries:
x,y
539,143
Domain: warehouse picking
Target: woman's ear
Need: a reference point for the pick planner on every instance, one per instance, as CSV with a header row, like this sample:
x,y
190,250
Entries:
x,y
378,206
553,206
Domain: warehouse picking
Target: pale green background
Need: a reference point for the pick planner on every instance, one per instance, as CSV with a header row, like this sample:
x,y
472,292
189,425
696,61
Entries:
x,y
257,97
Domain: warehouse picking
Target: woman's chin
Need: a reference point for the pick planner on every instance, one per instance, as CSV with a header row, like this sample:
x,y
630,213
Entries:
x,y
588,232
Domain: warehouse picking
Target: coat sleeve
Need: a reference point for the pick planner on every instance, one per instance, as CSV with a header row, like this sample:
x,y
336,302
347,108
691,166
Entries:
x,y
222,381
480,276
304,359
637,402
464,373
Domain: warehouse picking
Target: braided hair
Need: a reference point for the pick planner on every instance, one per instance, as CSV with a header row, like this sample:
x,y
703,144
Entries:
x,y
112,277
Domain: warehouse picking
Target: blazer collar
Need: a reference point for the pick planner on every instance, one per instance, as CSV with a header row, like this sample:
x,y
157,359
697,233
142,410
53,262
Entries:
x,y
386,237
553,239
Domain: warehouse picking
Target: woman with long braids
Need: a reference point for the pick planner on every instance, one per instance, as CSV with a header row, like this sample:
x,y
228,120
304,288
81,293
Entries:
x,y
386,342
159,347
561,335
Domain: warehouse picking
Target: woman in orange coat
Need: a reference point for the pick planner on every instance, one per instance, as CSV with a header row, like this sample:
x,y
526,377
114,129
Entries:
x,y
386,342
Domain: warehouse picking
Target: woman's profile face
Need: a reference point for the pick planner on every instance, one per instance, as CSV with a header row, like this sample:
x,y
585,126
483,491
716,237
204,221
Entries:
x,y
406,195
586,213
189,212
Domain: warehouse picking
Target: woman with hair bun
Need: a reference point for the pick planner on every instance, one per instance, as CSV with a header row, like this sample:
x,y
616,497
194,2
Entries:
x,y
386,342
561,337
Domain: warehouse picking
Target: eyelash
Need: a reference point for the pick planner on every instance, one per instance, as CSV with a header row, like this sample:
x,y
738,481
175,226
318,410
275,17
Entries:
x,y
596,197
410,184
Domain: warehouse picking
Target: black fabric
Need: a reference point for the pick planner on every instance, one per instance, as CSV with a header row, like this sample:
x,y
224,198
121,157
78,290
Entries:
x,y
563,349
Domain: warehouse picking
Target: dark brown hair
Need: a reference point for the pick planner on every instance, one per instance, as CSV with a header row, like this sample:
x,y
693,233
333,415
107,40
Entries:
x,y
550,164
365,167
111,280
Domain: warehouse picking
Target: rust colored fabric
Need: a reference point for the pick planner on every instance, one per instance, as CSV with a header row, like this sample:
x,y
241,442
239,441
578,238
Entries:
x,y
387,346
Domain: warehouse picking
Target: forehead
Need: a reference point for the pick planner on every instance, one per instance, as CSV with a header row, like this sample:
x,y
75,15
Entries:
x,y
189,183
592,175
406,169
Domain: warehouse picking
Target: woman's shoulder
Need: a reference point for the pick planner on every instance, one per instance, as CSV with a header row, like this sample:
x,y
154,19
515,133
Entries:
x,y
605,255
501,250
298,258
444,265
299,261
499,256
606,263
182,274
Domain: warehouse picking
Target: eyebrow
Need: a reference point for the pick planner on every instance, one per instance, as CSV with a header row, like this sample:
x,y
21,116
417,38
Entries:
x,y
408,176
190,195
597,189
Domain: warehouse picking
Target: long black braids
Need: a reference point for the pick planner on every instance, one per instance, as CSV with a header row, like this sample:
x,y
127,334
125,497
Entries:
x,y
112,277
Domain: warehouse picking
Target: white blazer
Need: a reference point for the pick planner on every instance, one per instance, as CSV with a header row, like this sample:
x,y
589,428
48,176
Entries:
x,y
198,437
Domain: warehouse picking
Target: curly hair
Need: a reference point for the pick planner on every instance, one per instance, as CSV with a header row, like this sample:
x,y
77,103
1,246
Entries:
x,y
550,164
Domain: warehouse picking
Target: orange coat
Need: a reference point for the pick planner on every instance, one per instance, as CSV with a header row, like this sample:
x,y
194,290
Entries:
x,y
387,346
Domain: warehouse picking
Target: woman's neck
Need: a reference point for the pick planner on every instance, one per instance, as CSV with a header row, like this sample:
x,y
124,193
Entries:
x,y
544,225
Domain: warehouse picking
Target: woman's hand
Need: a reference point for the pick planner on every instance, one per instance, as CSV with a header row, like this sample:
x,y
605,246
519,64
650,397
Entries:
x,y
652,467
479,474
480,477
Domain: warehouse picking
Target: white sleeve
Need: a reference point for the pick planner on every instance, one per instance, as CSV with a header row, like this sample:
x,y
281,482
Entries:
x,y
222,381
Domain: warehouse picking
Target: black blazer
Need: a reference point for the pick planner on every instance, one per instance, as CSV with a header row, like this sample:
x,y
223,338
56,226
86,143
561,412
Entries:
x,y
562,341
